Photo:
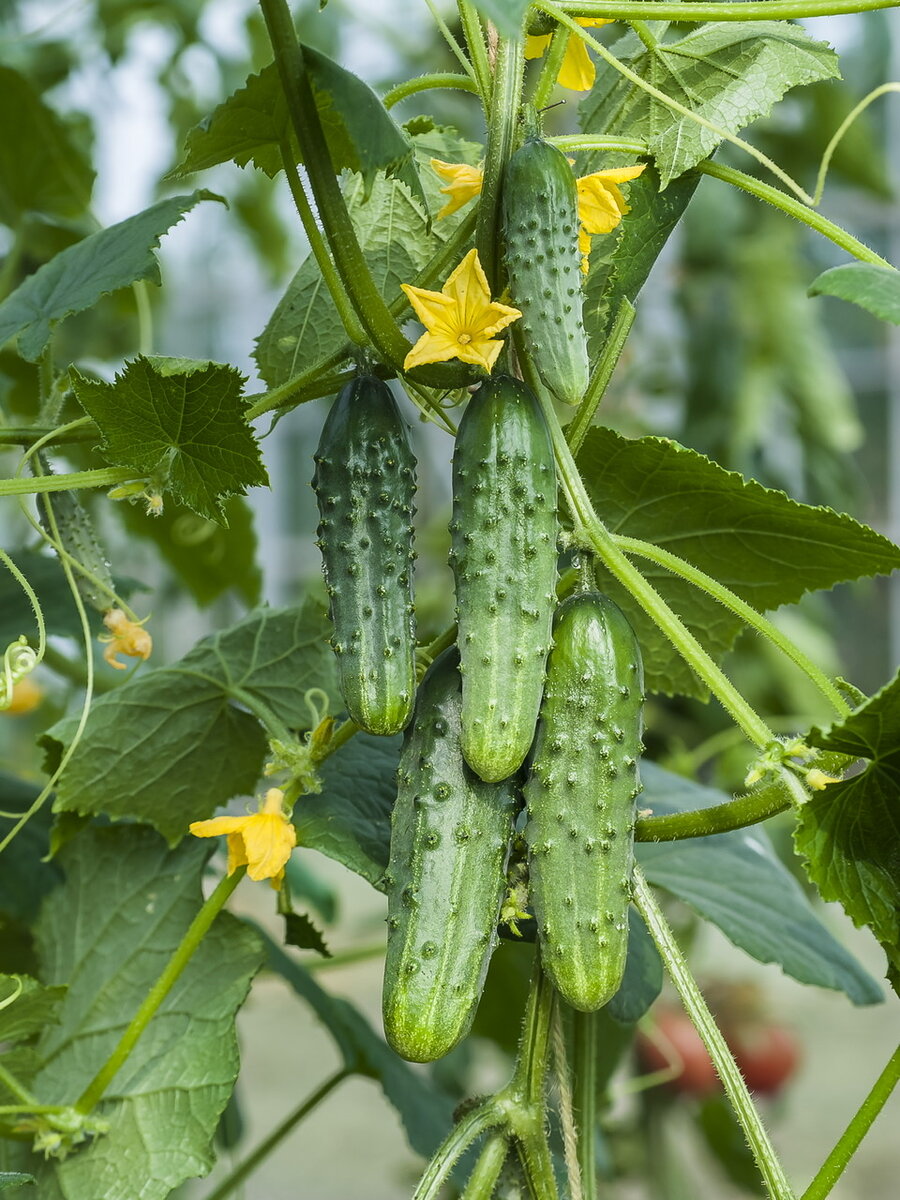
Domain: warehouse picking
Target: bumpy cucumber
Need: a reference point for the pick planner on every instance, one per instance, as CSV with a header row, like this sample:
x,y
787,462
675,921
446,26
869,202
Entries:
x,y
503,556
544,264
580,799
450,833
364,482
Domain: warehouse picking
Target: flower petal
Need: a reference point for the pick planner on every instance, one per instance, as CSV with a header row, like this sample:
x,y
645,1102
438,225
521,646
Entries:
x,y
431,348
577,72
464,184
217,826
269,839
536,44
237,854
427,305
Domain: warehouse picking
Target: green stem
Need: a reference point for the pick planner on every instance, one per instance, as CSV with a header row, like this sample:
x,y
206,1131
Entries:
x,y
13,1086
562,1077
455,48
336,291
144,316
793,208
275,728
550,68
474,35
736,814
508,68
10,1110
753,10
643,32
534,1048
360,954
424,83
591,141
576,430
584,1061
99,477
24,435
349,259
727,598
770,1168
236,1177
486,1172
194,935
537,1162
460,1137
833,1166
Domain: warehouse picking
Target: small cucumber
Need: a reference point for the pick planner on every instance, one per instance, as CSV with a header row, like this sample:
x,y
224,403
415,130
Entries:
x,y
580,799
504,531
450,835
365,483
543,261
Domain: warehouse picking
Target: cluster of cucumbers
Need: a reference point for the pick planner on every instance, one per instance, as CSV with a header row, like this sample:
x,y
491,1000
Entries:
x,y
534,714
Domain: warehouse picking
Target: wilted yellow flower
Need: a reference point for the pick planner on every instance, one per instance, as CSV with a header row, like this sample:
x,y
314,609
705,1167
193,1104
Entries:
x,y
261,841
601,205
124,637
460,320
577,71
464,184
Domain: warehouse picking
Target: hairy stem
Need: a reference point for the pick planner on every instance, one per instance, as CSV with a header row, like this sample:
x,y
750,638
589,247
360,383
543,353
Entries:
x,y
576,430
501,136
99,477
474,35
425,83
553,59
486,1172
461,1136
703,822
753,10
584,1056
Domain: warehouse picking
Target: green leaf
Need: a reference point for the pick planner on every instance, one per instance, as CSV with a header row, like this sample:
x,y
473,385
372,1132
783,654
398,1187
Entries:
x,y
849,833
26,876
34,1007
180,423
251,125
724,1138
727,73
877,289
169,747
765,547
736,881
426,1115
507,15
209,559
77,277
42,170
300,931
107,933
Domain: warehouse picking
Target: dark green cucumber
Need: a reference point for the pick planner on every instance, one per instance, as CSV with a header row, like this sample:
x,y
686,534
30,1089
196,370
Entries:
x,y
503,556
580,799
450,834
365,482
543,261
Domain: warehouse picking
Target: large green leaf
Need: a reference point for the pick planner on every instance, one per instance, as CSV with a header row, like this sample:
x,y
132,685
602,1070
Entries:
x,y
874,288
765,547
736,881
728,74
849,833
107,934
33,1008
42,169
77,277
27,875
170,746
179,423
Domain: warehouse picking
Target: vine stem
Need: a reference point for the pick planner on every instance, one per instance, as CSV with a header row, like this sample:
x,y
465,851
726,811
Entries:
x,y
753,10
720,818
576,430
97,477
584,1055
195,933
769,1165
18,1090
565,1107
24,435
550,68
486,1172
461,1136
248,1165
507,87
848,1143
424,83
474,35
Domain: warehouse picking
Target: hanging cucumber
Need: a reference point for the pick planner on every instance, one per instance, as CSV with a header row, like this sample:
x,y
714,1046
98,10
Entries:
x,y
365,482
543,262
450,834
580,799
503,555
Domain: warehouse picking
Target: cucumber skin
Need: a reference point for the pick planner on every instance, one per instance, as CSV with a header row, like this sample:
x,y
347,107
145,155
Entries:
x,y
365,483
543,261
504,531
445,882
580,799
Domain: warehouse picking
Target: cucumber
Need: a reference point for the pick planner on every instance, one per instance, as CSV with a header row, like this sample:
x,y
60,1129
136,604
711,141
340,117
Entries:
x,y
543,261
450,834
503,554
365,483
580,799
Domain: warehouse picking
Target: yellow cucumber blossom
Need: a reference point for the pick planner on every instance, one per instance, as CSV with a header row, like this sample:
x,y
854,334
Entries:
x,y
125,637
577,72
460,320
261,841
601,205
463,184
25,698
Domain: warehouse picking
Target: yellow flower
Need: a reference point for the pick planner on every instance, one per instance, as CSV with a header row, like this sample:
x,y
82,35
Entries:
x,y
464,184
261,841
460,320
577,71
26,696
601,205
124,637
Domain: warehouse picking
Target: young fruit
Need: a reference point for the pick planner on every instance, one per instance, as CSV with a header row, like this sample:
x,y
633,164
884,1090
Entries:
x,y
503,556
580,798
544,265
364,482
450,834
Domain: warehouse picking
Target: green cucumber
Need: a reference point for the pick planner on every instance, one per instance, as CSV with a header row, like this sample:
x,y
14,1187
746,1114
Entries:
x,y
580,799
365,483
543,261
450,835
504,532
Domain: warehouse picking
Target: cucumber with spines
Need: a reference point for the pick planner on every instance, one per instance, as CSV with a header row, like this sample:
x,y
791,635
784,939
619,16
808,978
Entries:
x,y
445,882
504,532
580,799
365,484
